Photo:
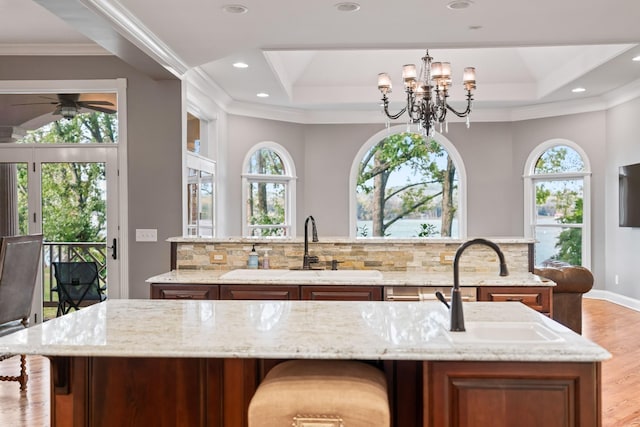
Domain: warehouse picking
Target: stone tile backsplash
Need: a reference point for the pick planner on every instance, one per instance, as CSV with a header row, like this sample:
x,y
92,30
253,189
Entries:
x,y
416,256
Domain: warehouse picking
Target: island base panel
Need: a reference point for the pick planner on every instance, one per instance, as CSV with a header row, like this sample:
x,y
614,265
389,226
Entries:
x,y
196,392
172,392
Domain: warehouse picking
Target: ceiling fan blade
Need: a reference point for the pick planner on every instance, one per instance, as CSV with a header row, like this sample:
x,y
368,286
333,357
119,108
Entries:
x,y
100,109
36,103
89,103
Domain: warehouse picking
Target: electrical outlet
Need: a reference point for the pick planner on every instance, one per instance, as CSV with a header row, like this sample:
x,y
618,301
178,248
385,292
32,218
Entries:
x,y
146,235
617,280
218,257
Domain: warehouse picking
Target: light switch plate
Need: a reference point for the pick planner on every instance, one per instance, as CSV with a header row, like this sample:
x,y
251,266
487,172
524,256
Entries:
x,y
146,235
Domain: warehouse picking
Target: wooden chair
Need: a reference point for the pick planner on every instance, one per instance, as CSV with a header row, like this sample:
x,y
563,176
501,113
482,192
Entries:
x,y
19,264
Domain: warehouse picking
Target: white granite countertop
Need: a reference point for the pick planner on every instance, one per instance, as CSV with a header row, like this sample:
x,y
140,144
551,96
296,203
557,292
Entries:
x,y
295,329
342,239
399,278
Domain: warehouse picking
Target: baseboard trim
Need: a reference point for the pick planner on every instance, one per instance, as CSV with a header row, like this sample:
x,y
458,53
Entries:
x,y
622,300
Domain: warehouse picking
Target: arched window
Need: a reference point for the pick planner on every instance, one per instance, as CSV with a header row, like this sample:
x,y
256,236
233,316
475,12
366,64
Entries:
x,y
557,202
404,185
268,192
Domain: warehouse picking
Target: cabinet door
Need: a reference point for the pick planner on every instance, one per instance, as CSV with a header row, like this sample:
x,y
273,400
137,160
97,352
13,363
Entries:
x,y
525,394
177,291
342,293
538,298
260,292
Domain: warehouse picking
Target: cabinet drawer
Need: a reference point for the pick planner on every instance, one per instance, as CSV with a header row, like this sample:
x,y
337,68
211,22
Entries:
x,y
190,292
342,293
538,298
260,292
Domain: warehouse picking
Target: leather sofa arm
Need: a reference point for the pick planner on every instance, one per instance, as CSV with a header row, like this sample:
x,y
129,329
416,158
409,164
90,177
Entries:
x,y
568,279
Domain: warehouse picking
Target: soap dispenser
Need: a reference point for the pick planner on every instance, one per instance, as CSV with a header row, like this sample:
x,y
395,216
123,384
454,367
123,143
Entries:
x,y
253,258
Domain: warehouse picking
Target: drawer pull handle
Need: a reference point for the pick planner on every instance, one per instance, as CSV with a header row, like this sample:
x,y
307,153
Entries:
x,y
403,298
184,296
515,299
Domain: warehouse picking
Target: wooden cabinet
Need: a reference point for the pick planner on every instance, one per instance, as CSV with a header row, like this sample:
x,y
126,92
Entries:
x,y
260,292
342,293
536,297
265,292
525,394
185,392
179,291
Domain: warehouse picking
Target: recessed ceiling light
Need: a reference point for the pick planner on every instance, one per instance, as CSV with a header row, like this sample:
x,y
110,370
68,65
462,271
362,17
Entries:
x,y
636,58
578,90
347,6
262,95
459,4
240,65
235,8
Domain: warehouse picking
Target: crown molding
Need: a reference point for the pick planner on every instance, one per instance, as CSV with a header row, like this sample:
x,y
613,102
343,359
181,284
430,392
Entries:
x,y
137,33
57,49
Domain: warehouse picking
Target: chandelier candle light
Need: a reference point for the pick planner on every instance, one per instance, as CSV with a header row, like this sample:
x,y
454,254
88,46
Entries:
x,y
427,93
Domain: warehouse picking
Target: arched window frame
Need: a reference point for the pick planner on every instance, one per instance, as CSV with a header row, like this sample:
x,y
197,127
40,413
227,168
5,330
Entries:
x,y
442,140
530,179
289,179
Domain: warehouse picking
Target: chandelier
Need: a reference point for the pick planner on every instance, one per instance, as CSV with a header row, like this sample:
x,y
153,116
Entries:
x,y
427,94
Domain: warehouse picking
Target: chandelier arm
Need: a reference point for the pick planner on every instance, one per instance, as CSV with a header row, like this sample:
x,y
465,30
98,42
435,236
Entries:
x,y
393,116
385,107
464,113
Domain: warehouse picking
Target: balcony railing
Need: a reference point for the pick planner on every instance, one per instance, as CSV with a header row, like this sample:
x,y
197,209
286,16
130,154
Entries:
x,y
70,252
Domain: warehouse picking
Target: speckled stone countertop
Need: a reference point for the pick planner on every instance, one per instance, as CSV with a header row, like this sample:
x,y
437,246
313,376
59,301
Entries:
x,y
295,329
339,239
265,277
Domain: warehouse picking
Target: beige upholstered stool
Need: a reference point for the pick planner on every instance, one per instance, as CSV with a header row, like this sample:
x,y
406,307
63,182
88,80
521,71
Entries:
x,y
322,393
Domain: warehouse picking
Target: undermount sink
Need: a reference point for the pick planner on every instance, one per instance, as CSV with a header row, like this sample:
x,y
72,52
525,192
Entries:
x,y
338,275
245,273
505,333
316,275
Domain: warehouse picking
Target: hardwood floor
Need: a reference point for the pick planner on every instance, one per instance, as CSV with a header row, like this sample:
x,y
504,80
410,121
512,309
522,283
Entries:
x,y
31,407
616,328
612,326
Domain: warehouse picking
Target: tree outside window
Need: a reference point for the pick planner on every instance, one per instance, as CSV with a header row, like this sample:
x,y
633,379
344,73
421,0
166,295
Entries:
x,y
407,187
559,191
73,194
267,185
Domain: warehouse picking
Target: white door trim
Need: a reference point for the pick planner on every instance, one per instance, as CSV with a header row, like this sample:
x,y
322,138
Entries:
x,y
118,86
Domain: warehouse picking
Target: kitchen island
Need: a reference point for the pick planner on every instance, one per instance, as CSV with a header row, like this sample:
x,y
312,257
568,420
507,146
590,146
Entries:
x,y
197,363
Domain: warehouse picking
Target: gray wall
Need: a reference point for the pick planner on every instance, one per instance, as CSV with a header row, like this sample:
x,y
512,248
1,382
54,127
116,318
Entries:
x,y
154,150
622,244
494,155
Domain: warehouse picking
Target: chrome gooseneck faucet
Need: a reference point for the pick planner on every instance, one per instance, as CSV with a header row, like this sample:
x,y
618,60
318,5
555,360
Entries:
x,y
307,259
457,316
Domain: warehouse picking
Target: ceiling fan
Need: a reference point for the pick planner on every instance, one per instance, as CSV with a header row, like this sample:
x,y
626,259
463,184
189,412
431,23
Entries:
x,y
69,104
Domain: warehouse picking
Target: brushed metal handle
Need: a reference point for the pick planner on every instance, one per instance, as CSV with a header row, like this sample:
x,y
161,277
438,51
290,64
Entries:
x,y
403,298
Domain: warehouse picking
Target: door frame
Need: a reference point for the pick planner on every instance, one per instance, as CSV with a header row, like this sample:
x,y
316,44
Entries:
x,y
117,150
